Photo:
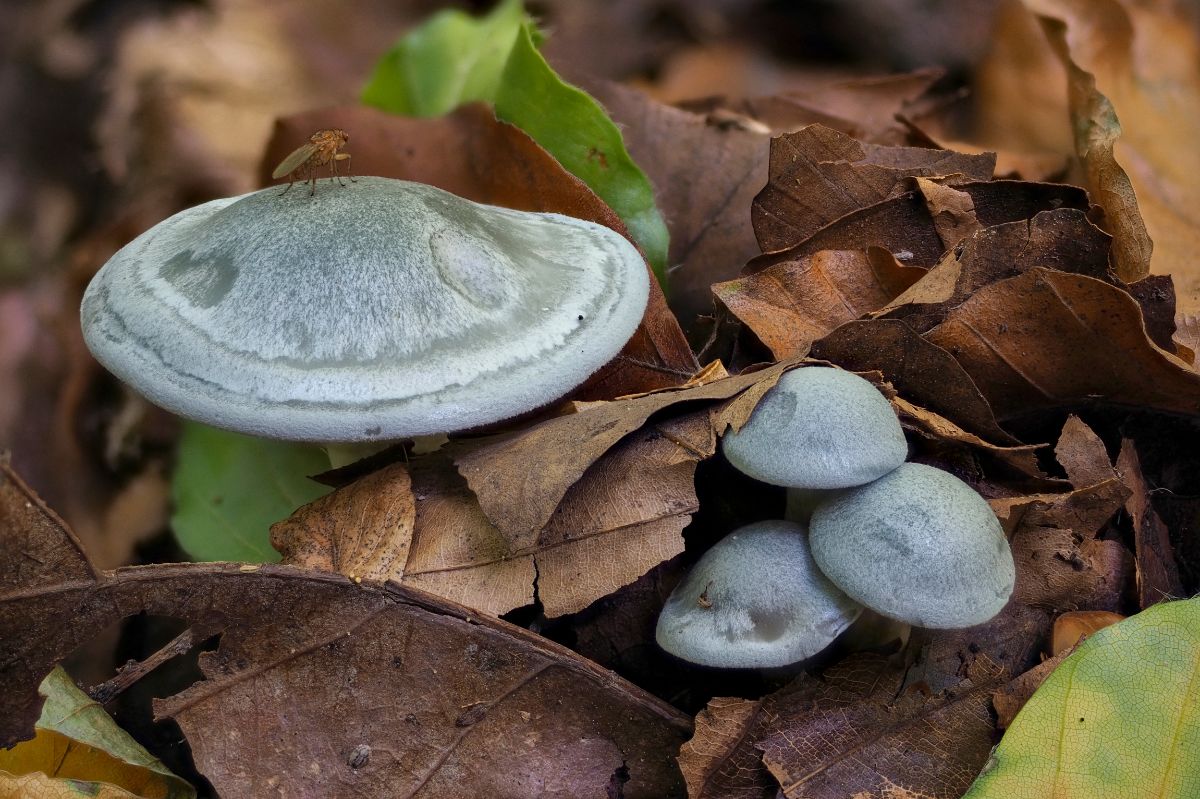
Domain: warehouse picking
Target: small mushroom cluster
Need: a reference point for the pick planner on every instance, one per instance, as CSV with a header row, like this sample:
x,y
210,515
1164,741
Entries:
x,y
866,529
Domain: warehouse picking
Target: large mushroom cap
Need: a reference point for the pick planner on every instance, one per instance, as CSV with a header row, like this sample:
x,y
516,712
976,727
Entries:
x,y
918,545
381,310
755,600
818,428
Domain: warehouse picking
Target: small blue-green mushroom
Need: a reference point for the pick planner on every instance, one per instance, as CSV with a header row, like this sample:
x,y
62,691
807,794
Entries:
x,y
918,545
818,428
755,600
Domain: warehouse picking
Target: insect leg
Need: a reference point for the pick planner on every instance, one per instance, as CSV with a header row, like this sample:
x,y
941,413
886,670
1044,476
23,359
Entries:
x,y
346,157
291,183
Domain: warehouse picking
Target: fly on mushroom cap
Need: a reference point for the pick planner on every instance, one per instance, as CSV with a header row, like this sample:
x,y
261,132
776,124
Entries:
x,y
392,310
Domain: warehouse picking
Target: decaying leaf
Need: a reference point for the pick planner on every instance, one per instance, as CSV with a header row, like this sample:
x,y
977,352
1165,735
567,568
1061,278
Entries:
x,y
79,749
1011,697
720,761
1048,339
1082,454
607,502
818,175
428,695
705,175
856,731
1154,556
792,304
1073,626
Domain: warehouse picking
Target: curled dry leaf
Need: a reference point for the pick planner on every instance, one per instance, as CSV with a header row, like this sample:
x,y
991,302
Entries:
x,y
609,502
856,731
1062,239
1154,556
953,211
818,175
903,225
453,703
1134,54
472,154
1073,626
1082,454
791,304
520,500
1049,339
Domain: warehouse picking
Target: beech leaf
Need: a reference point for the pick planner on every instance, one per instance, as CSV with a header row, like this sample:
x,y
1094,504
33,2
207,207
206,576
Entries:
x,y
1119,717
322,687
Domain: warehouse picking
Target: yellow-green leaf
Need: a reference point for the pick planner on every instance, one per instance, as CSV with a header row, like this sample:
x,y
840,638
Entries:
x,y
1119,718
79,750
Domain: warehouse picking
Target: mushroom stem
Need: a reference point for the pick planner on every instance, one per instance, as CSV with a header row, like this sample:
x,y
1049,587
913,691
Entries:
x,y
345,454
801,502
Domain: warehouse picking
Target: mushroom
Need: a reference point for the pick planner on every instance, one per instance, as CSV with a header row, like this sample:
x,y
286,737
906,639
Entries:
x,y
755,600
918,545
818,429
386,311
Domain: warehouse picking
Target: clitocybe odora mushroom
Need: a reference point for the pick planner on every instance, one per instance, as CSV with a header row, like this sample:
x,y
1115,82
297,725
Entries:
x,y
381,311
755,600
818,429
918,545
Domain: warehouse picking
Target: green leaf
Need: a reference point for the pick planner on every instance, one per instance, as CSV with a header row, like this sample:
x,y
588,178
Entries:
x,y
80,750
452,59
1118,718
229,489
572,127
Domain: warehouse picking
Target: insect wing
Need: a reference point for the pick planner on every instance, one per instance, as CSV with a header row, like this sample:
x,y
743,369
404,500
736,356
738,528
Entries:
x,y
294,160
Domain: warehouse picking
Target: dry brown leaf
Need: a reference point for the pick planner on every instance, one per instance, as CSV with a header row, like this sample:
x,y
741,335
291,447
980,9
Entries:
x,y
720,761
902,225
520,500
792,304
953,211
1061,239
1137,54
1010,698
1073,626
1048,339
857,732
1082,454
622,517
363,530
922,372
818,175
1061,563
705,174
1022,457
1154,556
429,697
470,153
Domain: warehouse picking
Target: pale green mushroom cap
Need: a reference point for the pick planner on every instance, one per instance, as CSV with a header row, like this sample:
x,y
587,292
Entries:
x,y
755,600
818,428
382,310
918,545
